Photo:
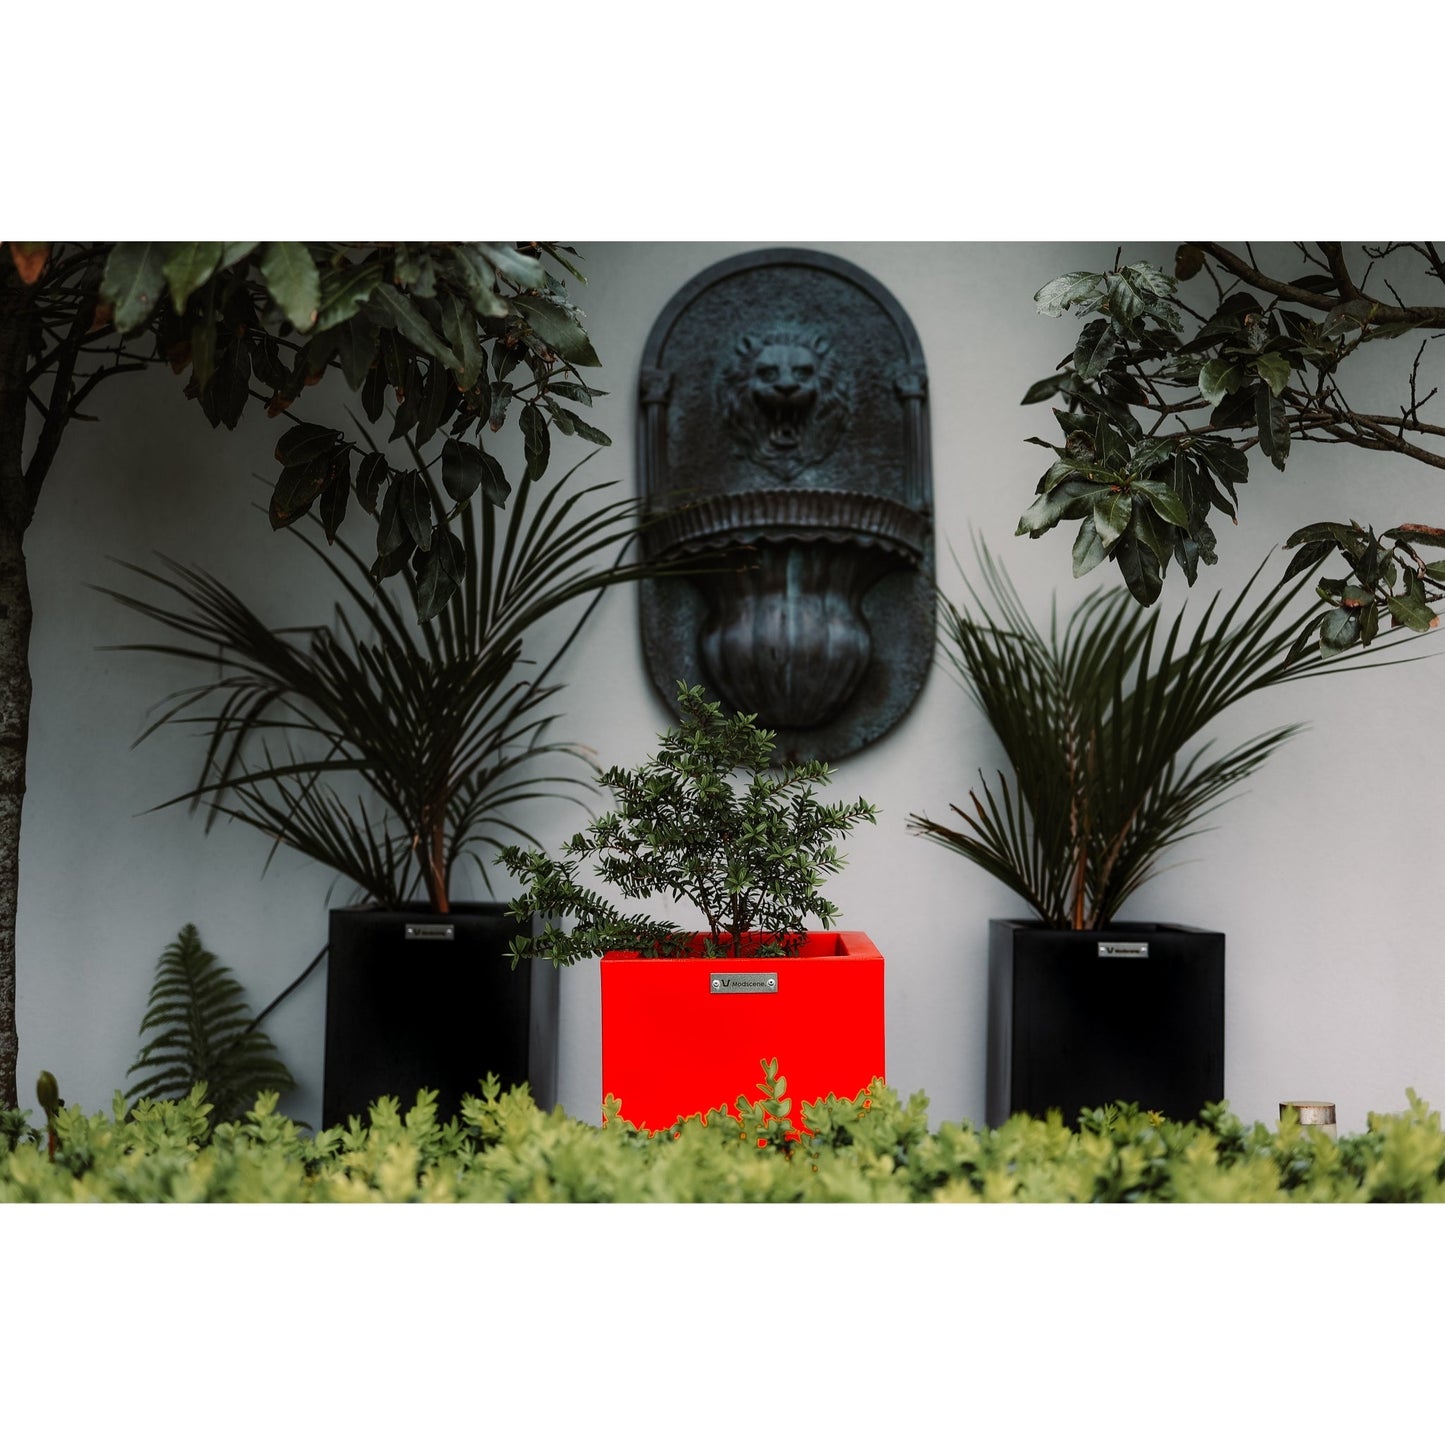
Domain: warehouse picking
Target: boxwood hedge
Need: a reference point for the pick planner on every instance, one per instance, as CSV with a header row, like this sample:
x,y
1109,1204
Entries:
x,y
875,1147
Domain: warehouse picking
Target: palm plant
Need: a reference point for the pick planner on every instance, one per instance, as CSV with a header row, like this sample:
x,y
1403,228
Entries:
x,y
1099,723
441,723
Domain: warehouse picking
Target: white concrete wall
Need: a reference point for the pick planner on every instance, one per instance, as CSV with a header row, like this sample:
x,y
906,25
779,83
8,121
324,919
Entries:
x,y
1321,874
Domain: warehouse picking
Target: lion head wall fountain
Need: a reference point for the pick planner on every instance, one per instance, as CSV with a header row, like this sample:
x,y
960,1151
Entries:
x,y
784,405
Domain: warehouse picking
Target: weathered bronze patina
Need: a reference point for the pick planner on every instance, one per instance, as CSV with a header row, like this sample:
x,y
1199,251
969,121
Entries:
x,y
784,403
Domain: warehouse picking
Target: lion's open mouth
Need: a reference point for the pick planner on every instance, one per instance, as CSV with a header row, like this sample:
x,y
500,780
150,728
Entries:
x,y
787,421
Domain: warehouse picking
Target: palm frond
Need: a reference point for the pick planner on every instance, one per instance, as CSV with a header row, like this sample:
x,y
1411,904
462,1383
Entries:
x,y
439,723
202,1030
1098,720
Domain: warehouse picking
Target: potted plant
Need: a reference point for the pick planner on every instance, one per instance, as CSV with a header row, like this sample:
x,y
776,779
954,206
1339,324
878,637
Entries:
x,y
1102,725
396,753
687,1014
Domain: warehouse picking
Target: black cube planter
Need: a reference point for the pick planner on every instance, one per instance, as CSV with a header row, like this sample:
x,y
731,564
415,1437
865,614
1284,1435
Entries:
x,y
1082,1018
427,1000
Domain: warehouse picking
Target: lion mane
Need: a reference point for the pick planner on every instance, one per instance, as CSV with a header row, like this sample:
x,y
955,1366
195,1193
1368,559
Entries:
x,y
784,399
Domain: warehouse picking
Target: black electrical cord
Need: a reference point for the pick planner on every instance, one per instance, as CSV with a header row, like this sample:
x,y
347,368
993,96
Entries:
x,y
289,989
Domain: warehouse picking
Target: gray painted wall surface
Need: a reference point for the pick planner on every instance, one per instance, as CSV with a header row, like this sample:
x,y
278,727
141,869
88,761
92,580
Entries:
x,y
1335,989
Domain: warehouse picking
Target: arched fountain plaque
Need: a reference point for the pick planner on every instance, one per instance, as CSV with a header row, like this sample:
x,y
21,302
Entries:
x,y
784,404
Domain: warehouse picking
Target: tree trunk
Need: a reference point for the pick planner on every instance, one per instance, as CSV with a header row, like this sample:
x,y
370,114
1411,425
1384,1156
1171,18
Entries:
x,y
16,507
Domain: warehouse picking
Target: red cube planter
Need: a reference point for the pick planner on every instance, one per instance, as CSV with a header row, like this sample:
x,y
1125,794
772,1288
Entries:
x,y
684,1035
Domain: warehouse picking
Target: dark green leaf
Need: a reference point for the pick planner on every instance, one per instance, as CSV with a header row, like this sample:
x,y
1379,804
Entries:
x,y
1096,345
1369,625
415,270
356,346
536,440
1274,370
1307,558
1413,612
1226,461
495,486
345,290
1187,262
573,392
555,252
504,359
391,535
1217,379
1157,536
1187,552
586,430
1140,569
203,351
1417,534
1349,314
438,389
460,329
396,361
1088,548
1057,295
501,400
1165,502
133,281
370,474
523,271
1273,422
297,488
224,399
414,508
388,564
440,574
1071,499
1237,409
560,332
190,264
1041,390
461,469
1339,631
1126,304
335,495
478,279
373,393
1149,279
304,442
1111,515
293,281
236,251
391,308
1148,456
410,403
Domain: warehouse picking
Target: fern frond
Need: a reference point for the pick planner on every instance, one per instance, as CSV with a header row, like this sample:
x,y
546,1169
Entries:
x,y
203,1031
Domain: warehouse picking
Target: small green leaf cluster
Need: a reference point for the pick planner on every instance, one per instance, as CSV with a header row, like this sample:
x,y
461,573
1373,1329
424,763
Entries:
x,y
874,1147
1255,371
709,819
1378,567
456,336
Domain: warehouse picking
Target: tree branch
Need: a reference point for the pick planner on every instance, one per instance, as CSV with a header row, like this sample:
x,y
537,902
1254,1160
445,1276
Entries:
x,y
1317,301
50,433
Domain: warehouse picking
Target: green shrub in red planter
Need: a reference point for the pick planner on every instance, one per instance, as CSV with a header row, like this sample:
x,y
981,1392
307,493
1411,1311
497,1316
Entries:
x,y
1103,724
710,821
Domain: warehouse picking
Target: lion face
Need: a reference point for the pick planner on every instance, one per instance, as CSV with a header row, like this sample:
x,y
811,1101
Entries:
x,y
784,401
784,387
